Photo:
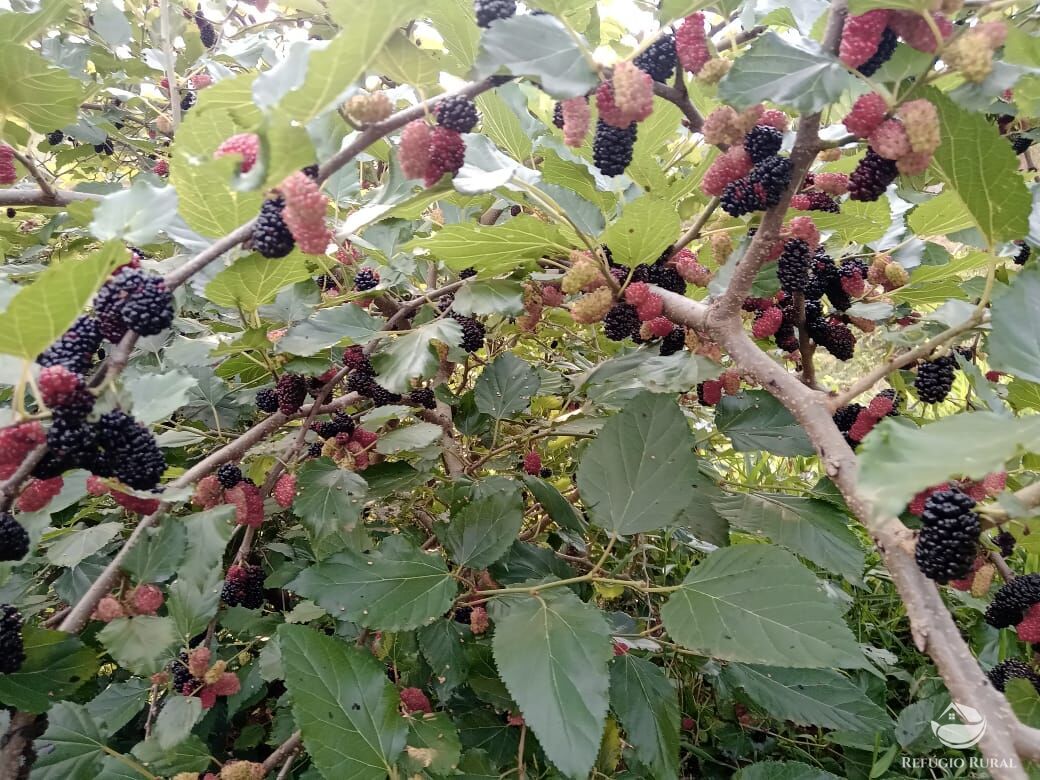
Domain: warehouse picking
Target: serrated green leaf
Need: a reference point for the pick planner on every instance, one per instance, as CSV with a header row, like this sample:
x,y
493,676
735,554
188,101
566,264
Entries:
x,y
756,603
637,475
493,250
394,588
344,705
254,280
756,421
540,47
329,502
647,705
810,697
72,746
551,651
645,229
348,323
481,532
792,73
55,666
43,310
142,644
814,529
413,356
493,296
980,168
897,460
506,386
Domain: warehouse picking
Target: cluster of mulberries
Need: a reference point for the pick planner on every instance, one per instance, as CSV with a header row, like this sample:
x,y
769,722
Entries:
x,y
244,145
133,300
760,189
12,650
14,539
691,43
488,11
8,174
243,587
1012,669
207,34
271,237
612,148
304,213
1011,603
949,536
934,379
457,113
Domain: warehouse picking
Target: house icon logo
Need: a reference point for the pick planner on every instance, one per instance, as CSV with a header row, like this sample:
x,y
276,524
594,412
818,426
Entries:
x,y
959,726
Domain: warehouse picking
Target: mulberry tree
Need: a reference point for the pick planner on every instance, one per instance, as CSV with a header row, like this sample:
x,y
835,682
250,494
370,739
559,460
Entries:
x,y
473,388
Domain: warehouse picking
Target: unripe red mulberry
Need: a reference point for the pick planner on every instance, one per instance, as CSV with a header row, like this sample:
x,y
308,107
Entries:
x,y
691,43
413,152
861,36
285,490
577,117
633,91
414,700
733,164
447,154
304,213
867,113
245,145
921,122
592,307
890,140
8,174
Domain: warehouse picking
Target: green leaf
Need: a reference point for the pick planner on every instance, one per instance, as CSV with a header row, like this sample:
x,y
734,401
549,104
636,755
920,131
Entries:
x,y
757,604
413,356
552,652
1014,344
142,644
55,666
43,310
367,24
42,96
755,421
506,386
176,720
74,546
329,502
433,745
542,48
254,280
409,438
136,215
71,747
157,396
982,170
809,697
493,250
797,74
395,588
897,460
343,703
348,323
493,296
814,529
647,705
645,229
782,770
486,526
558,508
637,475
